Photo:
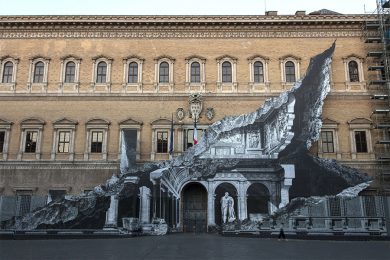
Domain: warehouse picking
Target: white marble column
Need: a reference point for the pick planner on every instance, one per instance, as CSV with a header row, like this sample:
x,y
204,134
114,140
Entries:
x,y
112,214
210,209
144,209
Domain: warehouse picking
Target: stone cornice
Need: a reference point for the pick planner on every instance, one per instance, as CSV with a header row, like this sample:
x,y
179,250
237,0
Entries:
x,y
281,26
187,19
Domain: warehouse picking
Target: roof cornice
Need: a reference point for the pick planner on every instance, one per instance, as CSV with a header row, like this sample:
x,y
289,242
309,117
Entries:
x,y
190,20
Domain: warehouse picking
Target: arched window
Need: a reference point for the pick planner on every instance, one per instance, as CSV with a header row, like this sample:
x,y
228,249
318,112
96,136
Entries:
x,y
7,72
133,73
164,72
38,72
290,71
258,72
195,72
70,72
101,72
353,71
226,72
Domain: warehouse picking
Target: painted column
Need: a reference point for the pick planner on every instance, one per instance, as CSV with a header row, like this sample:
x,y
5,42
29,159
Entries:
x,y
289,175
144,209
210,208
112,214
242,201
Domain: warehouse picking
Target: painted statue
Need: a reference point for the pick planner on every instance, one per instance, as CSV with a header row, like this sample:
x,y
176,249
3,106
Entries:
x,y
227,208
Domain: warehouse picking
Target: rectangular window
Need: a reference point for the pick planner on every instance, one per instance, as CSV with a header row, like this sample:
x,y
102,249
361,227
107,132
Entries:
x,y
335,207
2,137
31,142
195,74
189,137
361,141
327,142
7,72
369,206
63,142
162,142
70,73
56,195
23,203
96,141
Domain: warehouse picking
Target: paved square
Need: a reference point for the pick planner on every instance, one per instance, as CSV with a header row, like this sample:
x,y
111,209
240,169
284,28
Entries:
x,y
190,246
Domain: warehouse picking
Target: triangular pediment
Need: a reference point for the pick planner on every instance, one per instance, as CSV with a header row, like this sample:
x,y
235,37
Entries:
x,y
130,121
32,121
360,121
161,121
328,121
5,122
65,121
98,121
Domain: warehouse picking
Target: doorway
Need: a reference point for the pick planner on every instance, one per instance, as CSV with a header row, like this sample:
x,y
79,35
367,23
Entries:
x,y
194,197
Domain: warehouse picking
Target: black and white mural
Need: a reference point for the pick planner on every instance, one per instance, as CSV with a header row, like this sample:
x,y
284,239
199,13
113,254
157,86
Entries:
x,y
248,172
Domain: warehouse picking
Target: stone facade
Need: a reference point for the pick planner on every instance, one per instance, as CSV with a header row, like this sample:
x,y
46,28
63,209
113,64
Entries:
x,y
86,107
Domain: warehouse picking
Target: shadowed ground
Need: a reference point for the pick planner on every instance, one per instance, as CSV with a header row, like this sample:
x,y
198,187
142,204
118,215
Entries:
x,y
192,246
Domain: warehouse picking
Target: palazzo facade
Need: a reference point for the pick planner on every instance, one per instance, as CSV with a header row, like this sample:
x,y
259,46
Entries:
x,y
73,87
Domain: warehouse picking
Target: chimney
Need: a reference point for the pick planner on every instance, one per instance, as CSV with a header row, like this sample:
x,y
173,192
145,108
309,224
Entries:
x,y
300,13
271,13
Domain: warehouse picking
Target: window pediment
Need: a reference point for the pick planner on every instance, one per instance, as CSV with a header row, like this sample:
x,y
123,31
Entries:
x,y
70,57
133,57
65,121
289,57
32,121
360,121
4,122
161,121
196,57
165,57
39,57
352,56
328,121
102,57
97,121
258,56
130,121
226,57
9,58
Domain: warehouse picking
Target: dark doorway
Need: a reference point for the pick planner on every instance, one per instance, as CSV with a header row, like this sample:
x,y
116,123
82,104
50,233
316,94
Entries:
x,y
128,203
219,193
194,197
257,200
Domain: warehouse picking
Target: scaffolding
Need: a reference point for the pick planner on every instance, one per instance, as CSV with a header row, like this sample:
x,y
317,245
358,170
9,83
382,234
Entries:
x,y
377,32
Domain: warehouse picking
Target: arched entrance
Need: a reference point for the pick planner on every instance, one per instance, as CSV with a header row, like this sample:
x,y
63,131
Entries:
x,y
219,193
128,204
194,198
257,200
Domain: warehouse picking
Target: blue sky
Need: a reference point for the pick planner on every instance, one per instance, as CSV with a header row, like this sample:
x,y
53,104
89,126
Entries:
x,y
178,7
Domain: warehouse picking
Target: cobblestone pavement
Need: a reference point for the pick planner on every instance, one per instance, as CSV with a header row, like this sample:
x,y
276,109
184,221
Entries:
x,y
191,246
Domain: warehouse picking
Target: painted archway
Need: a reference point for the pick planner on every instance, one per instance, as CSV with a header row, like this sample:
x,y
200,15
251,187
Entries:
x,y
194,208
258,198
